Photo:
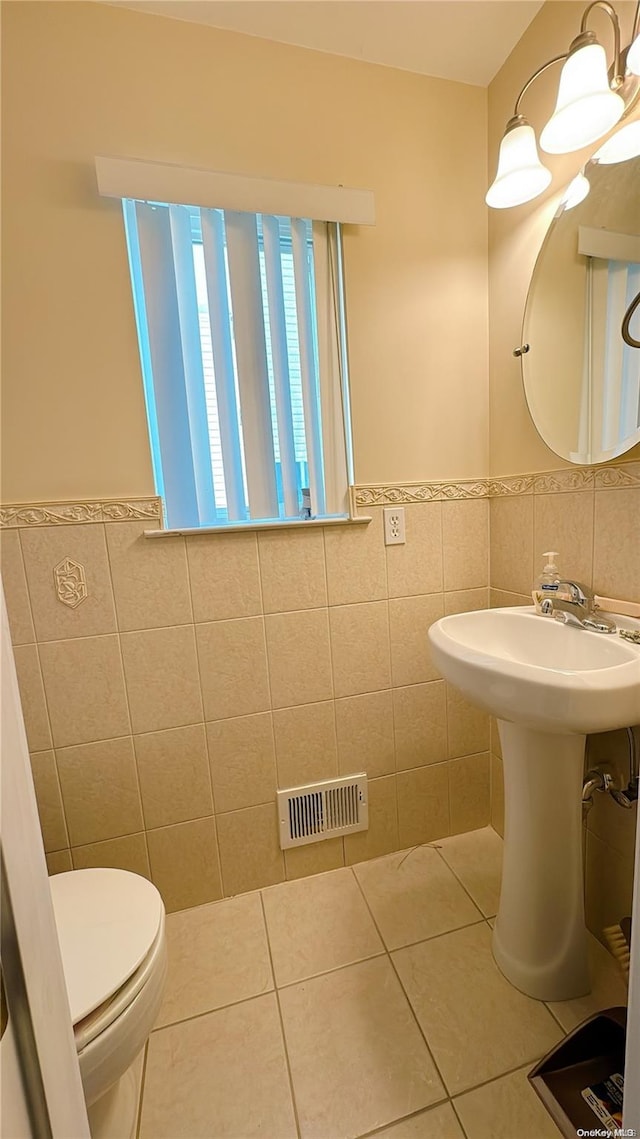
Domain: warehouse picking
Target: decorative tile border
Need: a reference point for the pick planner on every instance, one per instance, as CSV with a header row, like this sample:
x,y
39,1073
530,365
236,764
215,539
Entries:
x,y
605,477
419,492
624,475
67,513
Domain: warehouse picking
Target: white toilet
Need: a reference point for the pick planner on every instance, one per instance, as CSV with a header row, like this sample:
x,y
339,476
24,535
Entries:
x,y
111,930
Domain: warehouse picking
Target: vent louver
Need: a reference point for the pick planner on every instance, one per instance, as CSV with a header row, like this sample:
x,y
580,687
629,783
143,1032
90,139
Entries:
x,y
322,810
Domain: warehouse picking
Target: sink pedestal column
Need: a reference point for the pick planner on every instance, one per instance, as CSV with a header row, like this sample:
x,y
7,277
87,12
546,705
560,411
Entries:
x,y
539,940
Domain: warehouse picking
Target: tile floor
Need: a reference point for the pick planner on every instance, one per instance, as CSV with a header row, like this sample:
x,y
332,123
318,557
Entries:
x,y
361,1001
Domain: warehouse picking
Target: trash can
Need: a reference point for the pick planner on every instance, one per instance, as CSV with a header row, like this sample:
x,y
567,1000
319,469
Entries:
x,y
581,1080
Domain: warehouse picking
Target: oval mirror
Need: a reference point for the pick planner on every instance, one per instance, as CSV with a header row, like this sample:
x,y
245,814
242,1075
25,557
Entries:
x,y
581,375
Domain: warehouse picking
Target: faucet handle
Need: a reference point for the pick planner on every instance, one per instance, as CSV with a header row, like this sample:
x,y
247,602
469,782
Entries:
x,y
579,593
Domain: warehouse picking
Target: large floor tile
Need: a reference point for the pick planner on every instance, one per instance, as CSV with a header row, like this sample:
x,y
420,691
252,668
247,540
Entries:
x,y
608,989
436,1123
222,1075
476,859
477,1025
504,1109
218,954
358,1060
316,924
413,895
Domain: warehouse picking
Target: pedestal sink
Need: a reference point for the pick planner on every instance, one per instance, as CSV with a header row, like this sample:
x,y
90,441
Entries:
x,y
549,685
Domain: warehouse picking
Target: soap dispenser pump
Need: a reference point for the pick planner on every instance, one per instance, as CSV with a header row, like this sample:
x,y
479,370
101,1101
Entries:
x,y
548,582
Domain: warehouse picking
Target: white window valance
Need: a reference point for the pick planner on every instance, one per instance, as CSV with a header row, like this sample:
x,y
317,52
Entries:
x,y
608,245
163,182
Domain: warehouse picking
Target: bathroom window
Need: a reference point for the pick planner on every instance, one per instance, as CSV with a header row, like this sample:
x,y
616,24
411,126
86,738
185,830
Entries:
x,y
240,320
243,362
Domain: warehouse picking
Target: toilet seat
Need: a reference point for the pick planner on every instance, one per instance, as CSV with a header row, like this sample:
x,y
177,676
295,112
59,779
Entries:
x,y
91,1026
110,926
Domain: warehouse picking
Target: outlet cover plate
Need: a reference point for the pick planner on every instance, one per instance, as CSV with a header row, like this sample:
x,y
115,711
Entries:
x,y
394,526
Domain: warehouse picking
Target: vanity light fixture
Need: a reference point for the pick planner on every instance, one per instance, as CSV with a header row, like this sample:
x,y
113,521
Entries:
x,y
589,104
622,145
633,56
521,175
586,107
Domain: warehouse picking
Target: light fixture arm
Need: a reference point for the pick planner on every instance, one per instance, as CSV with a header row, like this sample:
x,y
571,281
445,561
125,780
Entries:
x,y
613,16
532,78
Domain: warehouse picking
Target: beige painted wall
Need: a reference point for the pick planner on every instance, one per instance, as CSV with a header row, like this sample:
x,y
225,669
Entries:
x,y
84,79
515,236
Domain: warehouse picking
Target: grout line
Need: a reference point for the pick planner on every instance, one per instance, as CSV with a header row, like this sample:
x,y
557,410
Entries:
x,y
593,539
446,731
339,770
442,557
458,878
36,643
62,802
459,1119
488,565
211,1011
494,1079
535,553
204,721
270,710
404,1118
112,590
52,746
556,1018
115,633
141,1091
135,756
284,1037
406,995
434,936
395,755
187,566
23,567
382,952
324,566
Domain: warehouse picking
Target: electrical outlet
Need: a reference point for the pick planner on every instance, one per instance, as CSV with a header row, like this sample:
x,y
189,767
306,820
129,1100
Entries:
x,y
394,526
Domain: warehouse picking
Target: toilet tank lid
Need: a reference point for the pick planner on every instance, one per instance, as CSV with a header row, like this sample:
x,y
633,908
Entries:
x,y
107,921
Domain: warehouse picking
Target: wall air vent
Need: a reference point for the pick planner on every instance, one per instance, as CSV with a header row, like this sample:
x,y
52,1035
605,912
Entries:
x,y
322,810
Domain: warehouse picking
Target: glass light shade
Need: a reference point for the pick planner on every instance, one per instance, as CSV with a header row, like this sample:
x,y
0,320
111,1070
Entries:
x,y
624,144
586,107
633,57
575,192
521,175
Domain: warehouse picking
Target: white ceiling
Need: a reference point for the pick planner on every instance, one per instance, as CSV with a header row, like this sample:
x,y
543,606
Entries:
x,y
464,40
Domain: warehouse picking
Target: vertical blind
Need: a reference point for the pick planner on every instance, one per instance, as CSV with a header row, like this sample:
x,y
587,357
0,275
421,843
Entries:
x,y
243,361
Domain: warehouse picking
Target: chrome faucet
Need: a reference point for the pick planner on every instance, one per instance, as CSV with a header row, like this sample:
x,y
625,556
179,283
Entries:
x,y
580,610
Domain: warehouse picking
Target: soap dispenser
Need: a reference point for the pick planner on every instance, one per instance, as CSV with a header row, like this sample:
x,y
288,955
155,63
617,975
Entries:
x,y
548,582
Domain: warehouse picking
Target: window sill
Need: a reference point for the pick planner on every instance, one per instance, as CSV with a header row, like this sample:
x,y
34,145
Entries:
x,y
241,527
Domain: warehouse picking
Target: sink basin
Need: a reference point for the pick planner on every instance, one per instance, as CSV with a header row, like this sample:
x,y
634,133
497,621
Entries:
x,y
549,685
538,672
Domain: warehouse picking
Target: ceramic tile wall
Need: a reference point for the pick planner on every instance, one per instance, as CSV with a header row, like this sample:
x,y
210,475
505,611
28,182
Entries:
x,y
597,531
200,674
